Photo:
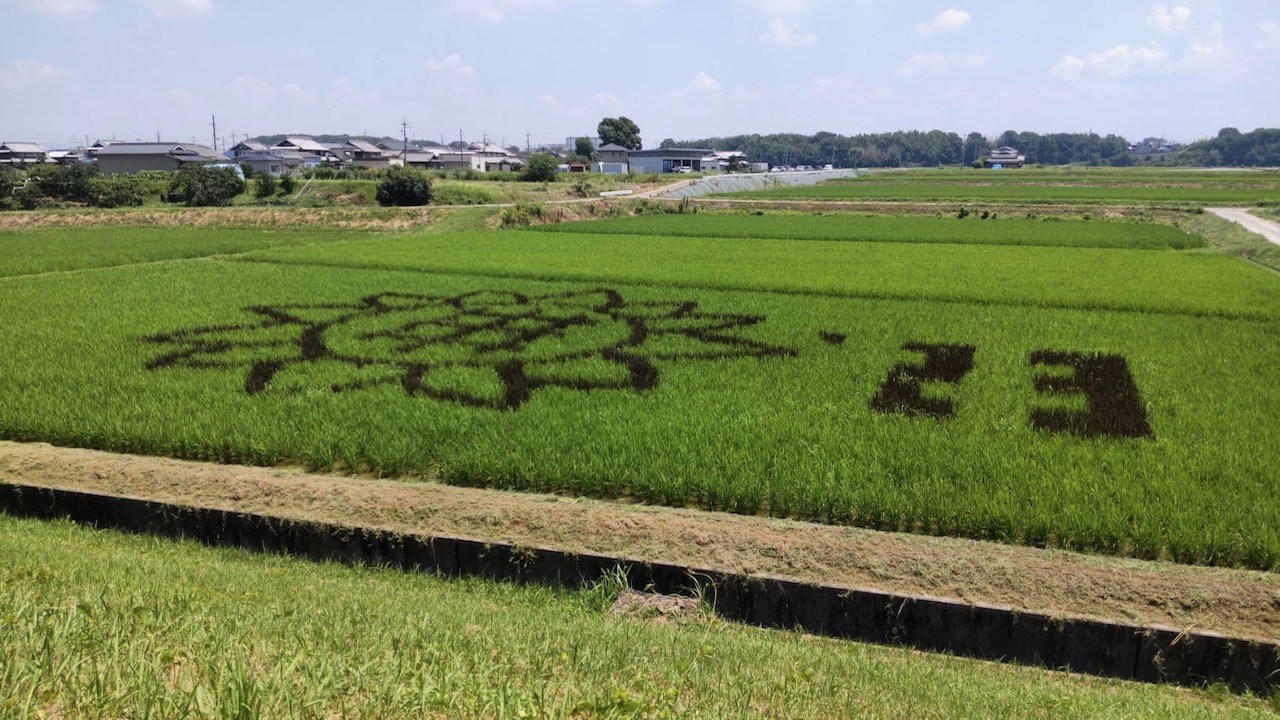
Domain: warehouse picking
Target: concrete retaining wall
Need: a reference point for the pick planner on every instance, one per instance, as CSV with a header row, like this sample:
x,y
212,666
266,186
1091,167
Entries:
x,y
1148,654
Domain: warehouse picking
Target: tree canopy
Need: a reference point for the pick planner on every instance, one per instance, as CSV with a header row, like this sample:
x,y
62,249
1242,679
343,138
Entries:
x,y
620,131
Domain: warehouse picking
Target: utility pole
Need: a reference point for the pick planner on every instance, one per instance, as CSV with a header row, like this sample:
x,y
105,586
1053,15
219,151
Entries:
x,y
214,123
404,149
528,142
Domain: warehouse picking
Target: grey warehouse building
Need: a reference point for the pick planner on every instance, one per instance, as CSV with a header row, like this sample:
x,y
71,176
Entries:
x,y
667,160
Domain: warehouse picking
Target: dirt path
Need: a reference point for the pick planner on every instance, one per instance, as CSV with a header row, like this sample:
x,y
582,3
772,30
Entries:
x,y
1241,216
1234,602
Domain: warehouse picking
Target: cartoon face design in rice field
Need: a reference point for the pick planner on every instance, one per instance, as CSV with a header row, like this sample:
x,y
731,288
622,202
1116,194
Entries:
x,y
486,349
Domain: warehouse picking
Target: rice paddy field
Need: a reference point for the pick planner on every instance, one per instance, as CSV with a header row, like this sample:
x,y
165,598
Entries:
x,y
1104,386
1078,186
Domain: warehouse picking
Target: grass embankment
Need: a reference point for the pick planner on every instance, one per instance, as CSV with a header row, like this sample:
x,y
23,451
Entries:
x,y
746,404
1087,278
879,228
97,624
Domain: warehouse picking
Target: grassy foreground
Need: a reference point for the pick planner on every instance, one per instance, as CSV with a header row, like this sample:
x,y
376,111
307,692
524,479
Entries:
x,y
94,624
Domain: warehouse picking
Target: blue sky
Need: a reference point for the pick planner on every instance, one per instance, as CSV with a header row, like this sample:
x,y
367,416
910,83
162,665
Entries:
x,y
679,68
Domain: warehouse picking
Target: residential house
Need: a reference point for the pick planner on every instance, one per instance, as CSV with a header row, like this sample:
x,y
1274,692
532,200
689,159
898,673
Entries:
x,y
458,161
247,147
22,153
1005,157
307,147
66,157
365,154
420,159
612,153
119,158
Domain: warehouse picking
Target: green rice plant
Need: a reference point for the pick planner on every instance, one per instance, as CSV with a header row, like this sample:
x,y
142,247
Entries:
x,y
671,392
50,250
1063,277
881,228
1022,192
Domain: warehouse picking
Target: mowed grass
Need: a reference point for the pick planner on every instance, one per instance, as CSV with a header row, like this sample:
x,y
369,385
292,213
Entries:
x,y
47,250
98,624
781,424
1020,192
881,228
1084,278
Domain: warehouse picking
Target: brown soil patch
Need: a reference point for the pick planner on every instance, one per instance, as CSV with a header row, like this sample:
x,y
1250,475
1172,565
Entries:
x,y
1235,602
657,609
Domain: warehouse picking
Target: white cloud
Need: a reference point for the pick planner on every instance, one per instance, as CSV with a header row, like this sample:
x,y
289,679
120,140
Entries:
x,y
1169,19
296,93
1211,47
936,62
343,91
1270,35
704,83
21,73
252,87
780,34
946,21
607,99
783,7
175,9
64,8
1118,61
452,65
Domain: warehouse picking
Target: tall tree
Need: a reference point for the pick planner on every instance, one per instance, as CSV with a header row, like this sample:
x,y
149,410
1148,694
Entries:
x,y
584,147
620,131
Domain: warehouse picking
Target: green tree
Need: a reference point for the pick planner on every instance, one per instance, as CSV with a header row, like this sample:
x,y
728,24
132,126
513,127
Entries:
x,y
287,184
71,183
620,131
264,185
404,187
584,147
541,168
199,185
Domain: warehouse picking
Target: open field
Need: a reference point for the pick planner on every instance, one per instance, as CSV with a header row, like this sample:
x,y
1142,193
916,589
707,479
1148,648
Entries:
x,y
808,403
1090,186
98,624
880,228
999,193
45,250
1057,277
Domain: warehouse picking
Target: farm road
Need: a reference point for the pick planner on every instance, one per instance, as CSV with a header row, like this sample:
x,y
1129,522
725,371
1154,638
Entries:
x,y
1266,228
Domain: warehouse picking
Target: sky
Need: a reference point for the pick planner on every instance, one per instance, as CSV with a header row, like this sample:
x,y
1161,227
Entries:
x,y
517,71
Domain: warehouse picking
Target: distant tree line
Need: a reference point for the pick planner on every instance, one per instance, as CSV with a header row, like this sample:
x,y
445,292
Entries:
x,y
927,149
1231,148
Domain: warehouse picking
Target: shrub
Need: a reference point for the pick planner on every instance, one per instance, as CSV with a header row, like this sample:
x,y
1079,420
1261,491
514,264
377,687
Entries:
x,y
247,169
541,168
117,191
202,186
264,186
454,194
404,187
287,184
523,214
581,188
